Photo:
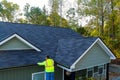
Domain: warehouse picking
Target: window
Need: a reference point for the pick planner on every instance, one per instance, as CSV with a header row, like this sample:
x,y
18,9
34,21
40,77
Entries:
x,y
101,69
80,74
38,76
95,69
90,72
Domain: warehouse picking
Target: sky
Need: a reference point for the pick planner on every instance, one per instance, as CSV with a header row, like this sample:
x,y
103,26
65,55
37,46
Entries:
x,y
37,3
41,3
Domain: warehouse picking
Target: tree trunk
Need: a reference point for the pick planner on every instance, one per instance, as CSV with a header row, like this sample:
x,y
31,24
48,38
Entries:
x,y
113,27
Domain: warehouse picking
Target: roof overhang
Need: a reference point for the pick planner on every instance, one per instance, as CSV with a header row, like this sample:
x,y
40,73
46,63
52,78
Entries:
x,y
21,39
70,70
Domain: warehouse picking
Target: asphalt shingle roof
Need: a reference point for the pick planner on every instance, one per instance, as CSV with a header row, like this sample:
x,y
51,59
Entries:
x,y
17,58
62,44
43,37
70,50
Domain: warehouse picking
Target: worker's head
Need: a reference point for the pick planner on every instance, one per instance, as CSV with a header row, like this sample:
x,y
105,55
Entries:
x,y
47,57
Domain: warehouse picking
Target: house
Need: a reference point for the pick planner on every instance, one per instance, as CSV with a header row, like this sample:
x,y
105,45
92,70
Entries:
x,y
23,45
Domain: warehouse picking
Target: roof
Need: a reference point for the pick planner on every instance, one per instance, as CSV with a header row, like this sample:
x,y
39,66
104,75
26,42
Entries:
x,y
43,37
64,45
70,50
18,58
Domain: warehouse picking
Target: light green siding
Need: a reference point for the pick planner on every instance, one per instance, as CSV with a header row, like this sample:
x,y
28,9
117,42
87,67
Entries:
x,y
25,73
95,56
21,73
14,44
58,73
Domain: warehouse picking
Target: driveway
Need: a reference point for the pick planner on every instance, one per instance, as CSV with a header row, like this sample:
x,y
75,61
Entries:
x,y
114,72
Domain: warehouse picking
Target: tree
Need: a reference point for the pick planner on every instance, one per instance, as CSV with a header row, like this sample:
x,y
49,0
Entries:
x,y
8,11
105,20
54,11
114,17
34,15
71,16
97,10
55,19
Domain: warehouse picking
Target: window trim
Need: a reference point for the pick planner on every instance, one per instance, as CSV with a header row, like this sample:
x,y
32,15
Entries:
x,y
101,66
90,69
39,73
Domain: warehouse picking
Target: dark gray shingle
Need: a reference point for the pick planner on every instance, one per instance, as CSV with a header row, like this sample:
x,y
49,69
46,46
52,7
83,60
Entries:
x,y
64,45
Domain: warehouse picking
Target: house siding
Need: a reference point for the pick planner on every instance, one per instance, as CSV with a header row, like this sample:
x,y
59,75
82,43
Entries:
x,y
14,44
20,73
25,73
96,56
58,73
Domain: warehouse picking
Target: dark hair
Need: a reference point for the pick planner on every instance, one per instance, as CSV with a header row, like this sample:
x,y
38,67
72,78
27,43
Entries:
x,y
47,56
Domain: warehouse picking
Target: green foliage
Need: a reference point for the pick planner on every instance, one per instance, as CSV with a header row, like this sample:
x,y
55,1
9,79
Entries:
x,y
91,78
34,15
83,31
114,44
94,33
54,4
106,17
8,10
54,20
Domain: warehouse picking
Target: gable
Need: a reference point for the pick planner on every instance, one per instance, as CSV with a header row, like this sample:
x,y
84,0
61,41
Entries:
x,y
94,57
102,46
83,53
15,42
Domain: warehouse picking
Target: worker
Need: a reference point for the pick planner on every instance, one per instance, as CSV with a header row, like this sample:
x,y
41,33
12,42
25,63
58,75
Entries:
x,y
49,68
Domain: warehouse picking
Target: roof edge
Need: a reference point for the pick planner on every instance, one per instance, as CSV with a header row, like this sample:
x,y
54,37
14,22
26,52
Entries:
x,y
110,53
70,70
21,39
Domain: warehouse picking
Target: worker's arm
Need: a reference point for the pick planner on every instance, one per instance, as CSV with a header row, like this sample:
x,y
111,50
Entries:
x,y
41,63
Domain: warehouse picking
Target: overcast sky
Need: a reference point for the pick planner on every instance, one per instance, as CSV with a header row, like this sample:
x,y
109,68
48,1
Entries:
x,y
21,3
37,3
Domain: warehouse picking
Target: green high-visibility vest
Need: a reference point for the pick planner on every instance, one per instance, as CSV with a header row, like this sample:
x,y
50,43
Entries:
x,y
49,65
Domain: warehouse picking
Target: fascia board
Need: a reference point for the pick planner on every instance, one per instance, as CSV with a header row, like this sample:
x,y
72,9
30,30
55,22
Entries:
x,y
64,68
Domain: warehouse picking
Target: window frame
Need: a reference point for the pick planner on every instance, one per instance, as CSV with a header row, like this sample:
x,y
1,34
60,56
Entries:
x,y
101,66
90,69
42,72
